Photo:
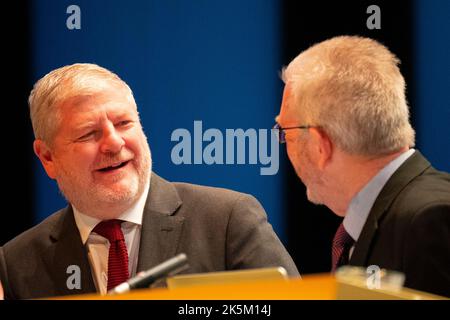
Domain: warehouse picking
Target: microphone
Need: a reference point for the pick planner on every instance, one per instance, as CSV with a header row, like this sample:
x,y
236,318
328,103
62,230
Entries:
x,y
145,278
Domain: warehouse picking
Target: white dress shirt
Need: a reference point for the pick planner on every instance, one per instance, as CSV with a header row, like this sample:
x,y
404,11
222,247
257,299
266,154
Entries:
x,y
98,246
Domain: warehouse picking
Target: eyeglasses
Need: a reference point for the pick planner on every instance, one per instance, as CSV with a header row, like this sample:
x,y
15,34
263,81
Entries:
x,y
281,134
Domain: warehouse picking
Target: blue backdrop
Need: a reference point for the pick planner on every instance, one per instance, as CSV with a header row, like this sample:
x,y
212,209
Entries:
x,y
432,109
216,62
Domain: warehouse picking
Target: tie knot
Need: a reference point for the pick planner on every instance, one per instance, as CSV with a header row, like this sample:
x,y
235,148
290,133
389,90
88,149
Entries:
x,y
110,229
342,238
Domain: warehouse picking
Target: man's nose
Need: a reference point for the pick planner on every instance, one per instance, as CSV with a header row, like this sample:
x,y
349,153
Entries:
x,y
112,141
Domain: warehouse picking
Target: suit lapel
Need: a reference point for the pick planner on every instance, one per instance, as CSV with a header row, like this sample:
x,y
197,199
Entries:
x,y
69,254
160,235
409,170
161,229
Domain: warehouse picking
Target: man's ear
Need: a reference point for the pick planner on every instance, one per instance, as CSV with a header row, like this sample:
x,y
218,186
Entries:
x,y
323,145
45,154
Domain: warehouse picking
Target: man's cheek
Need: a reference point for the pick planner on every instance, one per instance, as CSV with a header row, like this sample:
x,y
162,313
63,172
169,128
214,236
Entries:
x,y
292,154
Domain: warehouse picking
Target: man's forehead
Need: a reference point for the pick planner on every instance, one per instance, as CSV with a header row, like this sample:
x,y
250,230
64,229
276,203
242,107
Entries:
x,y
288,95
287,89
92,101
77,100
289,113
87,114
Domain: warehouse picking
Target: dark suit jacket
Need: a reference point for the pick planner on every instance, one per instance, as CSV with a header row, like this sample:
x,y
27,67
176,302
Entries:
x,y
408,228
218,230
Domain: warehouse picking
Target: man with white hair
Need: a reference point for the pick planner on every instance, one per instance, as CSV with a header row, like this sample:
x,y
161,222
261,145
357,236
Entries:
x,y
345,121
122,218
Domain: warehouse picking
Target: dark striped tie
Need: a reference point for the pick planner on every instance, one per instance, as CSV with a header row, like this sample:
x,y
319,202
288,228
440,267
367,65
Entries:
x,y
342,243
118,255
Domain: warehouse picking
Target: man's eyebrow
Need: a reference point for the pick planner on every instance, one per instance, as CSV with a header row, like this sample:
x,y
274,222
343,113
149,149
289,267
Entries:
x,y
84,126
121,115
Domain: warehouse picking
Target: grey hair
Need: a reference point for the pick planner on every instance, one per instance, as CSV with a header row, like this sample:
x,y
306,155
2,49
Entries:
x,y
352,87
62,84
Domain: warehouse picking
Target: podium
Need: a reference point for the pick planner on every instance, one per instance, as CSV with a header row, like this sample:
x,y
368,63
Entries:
x,y
310,287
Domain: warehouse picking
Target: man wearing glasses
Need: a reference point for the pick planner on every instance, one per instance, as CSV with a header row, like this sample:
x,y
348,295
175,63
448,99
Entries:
x,y
345,122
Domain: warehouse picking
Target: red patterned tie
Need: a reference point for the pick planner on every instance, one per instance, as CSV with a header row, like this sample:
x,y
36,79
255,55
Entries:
x,y
342,243
118,255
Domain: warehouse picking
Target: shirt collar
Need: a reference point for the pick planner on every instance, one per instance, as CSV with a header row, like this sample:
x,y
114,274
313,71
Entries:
x,y
362,202
134,214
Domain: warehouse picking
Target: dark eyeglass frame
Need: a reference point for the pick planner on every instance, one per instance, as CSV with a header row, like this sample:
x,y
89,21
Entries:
x,y
281,134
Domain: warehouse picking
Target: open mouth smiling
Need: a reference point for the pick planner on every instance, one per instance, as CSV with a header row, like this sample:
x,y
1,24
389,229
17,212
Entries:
x,y
114,167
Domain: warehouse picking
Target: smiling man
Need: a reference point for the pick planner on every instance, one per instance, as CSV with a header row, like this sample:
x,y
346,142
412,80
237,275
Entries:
x,y
99,157
121,218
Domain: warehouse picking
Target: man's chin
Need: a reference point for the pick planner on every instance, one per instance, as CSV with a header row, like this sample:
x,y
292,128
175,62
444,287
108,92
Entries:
x,y
106,197
117,195
312,197
122,188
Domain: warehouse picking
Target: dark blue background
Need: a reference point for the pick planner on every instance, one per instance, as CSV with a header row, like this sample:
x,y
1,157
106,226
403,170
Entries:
x,y
218,61
213,61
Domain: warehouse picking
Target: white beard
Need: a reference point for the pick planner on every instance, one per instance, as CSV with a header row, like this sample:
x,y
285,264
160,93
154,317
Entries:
x,y
102,202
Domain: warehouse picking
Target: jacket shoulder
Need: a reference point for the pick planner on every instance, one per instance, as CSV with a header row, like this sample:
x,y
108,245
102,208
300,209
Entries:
x,y
38,234
430,188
